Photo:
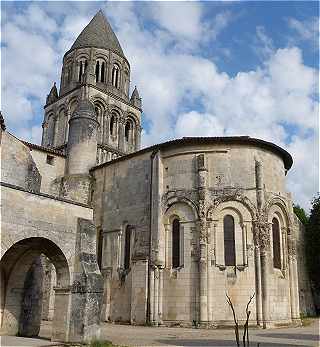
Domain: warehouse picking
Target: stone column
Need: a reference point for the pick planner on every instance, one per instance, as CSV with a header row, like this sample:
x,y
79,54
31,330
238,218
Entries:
x,y
138,137
259,184
209,303
258,284
120,135
262,247
264,240
151,295
106,128
160,303
203,239
293,278
105,312
156,296
203,284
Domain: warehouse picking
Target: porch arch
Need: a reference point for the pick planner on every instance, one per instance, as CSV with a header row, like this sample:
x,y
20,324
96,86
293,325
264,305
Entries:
x,y
14,265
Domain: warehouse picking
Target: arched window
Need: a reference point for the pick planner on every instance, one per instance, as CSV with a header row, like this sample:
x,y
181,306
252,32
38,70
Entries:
x,y
97,71
103,72
127,130
69,73
115,75
112,124
175,243
229,241
127,245
276,243
83,64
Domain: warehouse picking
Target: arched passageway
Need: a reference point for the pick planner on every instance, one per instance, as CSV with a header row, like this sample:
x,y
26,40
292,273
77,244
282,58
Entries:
x,y
19,296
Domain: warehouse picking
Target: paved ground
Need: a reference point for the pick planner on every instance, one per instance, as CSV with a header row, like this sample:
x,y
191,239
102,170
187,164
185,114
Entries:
x,y
181,337
172,337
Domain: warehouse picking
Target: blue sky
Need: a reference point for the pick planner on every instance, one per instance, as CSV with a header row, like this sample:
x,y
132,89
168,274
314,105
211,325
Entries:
x,y
202,69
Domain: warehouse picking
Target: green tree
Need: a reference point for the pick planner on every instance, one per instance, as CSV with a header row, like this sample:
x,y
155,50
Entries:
x,y
313,244
301,214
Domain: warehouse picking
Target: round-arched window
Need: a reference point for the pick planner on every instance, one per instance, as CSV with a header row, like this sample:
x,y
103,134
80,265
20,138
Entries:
x,y
115,75
229,241
276,244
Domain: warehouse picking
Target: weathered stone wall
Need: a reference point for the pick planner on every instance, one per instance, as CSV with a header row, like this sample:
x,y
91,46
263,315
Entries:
x,y
115,186
49,170
30,215
228,183
306,300
17,165
34,224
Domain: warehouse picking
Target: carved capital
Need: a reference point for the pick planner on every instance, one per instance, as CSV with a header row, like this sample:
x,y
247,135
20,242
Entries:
x,y
292,248
262,232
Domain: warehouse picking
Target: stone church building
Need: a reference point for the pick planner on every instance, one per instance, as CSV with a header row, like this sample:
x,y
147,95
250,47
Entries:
x,y
96,229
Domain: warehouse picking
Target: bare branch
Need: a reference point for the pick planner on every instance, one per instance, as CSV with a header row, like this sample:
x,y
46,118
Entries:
x,y
246,325
236,328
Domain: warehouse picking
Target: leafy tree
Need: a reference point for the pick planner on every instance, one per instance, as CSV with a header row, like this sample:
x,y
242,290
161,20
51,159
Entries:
x,y
301,214
313,244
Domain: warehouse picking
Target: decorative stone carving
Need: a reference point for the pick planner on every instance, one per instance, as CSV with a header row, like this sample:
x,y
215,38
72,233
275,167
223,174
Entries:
x,y
180,195
261,233
218,196
292,247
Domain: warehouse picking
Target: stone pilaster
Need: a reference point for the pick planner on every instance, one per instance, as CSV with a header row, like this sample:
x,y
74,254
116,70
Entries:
x,y
121,135
87,287
262,236
204,290
293,279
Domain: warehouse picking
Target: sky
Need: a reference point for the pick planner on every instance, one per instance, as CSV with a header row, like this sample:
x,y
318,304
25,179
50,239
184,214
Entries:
x,y
201,68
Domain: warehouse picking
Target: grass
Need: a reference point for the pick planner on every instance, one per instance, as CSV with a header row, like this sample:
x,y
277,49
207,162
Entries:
x,y
103,344
307,320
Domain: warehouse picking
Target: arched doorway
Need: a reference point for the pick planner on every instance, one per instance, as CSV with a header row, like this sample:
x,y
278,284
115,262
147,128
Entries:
x,y
15,265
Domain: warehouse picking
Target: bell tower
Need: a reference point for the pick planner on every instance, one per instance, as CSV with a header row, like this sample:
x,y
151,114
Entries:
x,y
97,61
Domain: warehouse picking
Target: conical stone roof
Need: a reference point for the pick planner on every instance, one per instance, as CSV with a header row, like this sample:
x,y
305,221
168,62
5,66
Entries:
x,y
98,33
135,94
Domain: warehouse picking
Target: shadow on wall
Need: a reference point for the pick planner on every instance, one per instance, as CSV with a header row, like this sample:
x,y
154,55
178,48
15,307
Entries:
x,y
220,343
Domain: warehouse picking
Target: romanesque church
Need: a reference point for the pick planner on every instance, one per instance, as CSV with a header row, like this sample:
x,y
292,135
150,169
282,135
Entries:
x,y
95,229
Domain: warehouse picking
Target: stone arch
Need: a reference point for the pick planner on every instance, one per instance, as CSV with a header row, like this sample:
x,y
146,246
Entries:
x,y
176,252
116,74
278,206
61,127
72,105
115,116
101,68
126,81
276,209
68,71
82,63
129,133
100,108
243,201
133,117
14,265
50,130
185,212
177,199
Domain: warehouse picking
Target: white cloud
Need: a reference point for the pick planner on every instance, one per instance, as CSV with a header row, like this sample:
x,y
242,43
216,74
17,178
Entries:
x,y
194,123
183,93
181,21
264,46
307,29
